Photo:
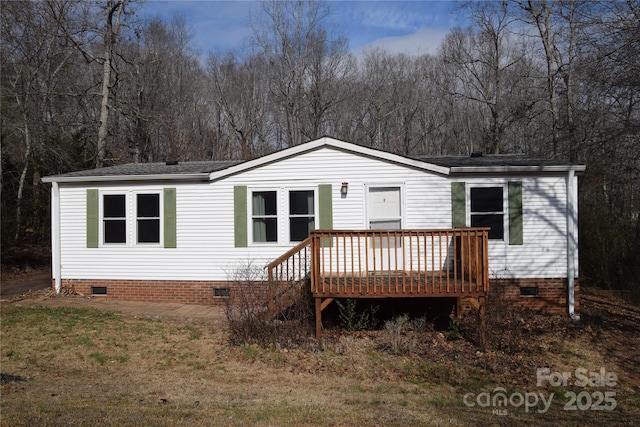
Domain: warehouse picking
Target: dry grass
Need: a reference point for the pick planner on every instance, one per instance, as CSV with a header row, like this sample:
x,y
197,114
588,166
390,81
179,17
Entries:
x,y
86,367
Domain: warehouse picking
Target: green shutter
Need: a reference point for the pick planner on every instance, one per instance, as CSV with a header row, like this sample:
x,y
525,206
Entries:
x,y
458,204
325,210
515,213
240,216
170,235
92,218
325,205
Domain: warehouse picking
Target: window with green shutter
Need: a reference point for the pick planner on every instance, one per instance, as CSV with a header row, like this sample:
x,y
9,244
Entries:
x,y
111,216
487,210
488,207
258,218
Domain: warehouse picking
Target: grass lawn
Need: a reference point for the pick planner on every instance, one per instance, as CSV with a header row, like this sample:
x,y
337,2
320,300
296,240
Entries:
x,y
84,367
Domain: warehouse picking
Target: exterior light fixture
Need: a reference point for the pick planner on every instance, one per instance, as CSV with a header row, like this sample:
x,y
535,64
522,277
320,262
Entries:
x,y
344,188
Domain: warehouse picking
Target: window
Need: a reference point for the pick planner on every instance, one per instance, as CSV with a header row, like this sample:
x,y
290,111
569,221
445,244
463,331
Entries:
x,y
487,210
148,218
131,218
301,214
114,218
264,216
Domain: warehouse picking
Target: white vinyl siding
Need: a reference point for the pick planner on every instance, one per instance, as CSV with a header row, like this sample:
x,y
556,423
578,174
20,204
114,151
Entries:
x,y
205,219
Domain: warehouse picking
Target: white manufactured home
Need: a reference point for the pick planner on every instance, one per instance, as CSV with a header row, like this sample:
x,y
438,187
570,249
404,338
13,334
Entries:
x,y
355,221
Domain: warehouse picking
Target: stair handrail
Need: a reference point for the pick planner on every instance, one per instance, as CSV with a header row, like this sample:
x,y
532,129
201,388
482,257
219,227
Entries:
x,y
281,260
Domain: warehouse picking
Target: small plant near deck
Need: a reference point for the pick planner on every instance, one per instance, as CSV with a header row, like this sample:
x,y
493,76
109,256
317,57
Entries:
x,y
403,335
454,332
396,335
352,320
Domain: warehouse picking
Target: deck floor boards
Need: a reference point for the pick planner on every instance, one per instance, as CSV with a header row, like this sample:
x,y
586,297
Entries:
x,y
397,284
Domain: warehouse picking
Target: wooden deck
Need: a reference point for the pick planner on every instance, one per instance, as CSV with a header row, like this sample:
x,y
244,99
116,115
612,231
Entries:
x,y
385,264
395,284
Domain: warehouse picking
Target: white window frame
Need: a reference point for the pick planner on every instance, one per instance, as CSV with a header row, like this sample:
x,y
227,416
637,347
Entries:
x,y
286,195
101,233
505,207
250,218
160,217
131,217
282,216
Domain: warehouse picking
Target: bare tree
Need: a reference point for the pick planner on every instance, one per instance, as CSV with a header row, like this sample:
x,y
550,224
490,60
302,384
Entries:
x,y
484,59
303,58
240,91
34,57
103,22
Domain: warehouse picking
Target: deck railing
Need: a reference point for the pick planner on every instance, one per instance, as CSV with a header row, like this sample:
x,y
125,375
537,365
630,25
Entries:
x,y
382,263
399,263
287,273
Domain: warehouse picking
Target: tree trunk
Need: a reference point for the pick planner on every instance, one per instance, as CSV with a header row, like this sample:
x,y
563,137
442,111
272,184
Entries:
x,y
110,35
23,175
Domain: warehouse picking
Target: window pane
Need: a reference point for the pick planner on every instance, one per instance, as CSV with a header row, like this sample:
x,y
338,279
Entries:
x,y
495,221
113,206
392,224
301,202
115,231
264,203
385,241
148,205
265,230
148,231
486,199
299,228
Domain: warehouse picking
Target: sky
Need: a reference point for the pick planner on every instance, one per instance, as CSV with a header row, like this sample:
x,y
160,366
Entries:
x,y
413,27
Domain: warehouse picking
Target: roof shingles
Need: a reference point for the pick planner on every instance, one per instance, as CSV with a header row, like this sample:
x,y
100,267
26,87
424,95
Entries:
x,y
145,169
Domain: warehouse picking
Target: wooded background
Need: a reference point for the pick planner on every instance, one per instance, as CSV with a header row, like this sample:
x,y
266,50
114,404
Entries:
x,y
89,84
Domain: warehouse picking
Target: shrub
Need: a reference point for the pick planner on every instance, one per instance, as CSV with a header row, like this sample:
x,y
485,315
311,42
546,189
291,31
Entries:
x,y
249,316
352,320
403,335
504,324
455,327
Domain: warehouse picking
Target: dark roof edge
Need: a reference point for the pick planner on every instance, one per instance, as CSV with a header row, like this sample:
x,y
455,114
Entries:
x,y
201,176
456,170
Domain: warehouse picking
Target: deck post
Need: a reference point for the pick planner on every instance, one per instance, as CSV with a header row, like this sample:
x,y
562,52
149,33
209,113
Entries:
x,y
318,317
270,301
483,323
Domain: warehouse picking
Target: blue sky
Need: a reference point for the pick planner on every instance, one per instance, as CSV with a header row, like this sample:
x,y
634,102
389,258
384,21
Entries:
x,y
415,26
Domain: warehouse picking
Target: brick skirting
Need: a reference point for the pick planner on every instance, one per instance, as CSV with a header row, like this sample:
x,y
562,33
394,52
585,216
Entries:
x,y
186,292
551,293
547,295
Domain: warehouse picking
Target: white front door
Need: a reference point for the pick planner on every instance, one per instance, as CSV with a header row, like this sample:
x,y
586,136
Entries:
x,y
384,212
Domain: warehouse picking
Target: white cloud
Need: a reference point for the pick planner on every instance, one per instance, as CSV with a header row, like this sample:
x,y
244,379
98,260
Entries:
x,y
425,40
